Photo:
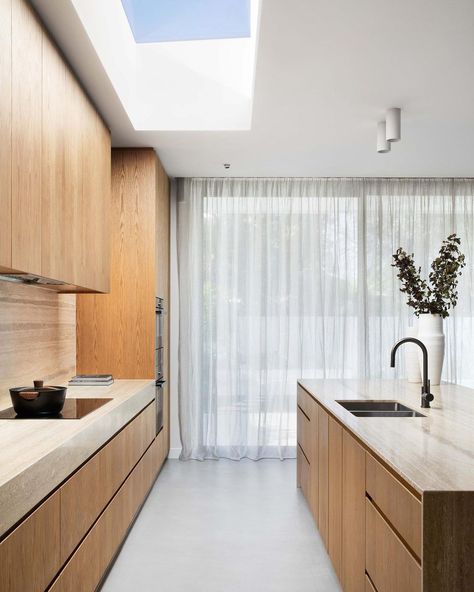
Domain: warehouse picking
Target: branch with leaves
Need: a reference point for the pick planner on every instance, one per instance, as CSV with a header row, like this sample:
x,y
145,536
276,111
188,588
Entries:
x,y
440,294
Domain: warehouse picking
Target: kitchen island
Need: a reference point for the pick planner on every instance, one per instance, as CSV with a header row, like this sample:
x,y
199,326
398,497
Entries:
x,y
393,497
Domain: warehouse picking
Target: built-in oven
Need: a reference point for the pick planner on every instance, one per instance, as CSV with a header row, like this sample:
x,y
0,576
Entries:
x,y
159,362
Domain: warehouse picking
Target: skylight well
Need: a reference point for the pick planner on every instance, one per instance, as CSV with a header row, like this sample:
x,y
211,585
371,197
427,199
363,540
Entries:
x,y
158,21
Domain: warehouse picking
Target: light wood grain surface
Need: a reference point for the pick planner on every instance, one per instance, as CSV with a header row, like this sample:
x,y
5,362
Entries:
x,y
29,556
116,332
432,453
389,564
37,336
27,43
6,131
39,454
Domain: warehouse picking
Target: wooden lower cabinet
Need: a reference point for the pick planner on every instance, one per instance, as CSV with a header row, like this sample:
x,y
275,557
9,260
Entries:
x,y
88,564
323,475
353,514
78,529
369,521
391,567
335,496
368,585
87,492
30,555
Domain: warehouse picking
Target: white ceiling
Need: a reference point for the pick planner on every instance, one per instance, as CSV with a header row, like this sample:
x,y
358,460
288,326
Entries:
x,y
326,71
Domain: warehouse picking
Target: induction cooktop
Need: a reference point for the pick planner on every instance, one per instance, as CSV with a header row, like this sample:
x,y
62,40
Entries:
x,y
73,409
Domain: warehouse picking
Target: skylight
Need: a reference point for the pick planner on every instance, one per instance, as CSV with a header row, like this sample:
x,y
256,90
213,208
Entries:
x,y
153,21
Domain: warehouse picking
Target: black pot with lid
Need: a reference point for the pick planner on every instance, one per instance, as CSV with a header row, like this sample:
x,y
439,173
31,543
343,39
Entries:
x,y
38,400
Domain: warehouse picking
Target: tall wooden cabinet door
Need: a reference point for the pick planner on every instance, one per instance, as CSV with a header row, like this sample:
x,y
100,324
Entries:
x,y
353,515
56,214
5,133
71,254
323,477
335,496
27,41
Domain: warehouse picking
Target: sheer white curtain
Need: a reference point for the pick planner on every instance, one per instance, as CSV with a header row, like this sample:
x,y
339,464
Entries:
x,y
287,278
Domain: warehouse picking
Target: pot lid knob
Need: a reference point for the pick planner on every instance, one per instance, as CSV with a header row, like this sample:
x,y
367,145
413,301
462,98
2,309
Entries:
x,y
38,383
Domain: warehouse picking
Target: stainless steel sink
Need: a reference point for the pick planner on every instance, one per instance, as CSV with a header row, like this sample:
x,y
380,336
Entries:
x,y
379,409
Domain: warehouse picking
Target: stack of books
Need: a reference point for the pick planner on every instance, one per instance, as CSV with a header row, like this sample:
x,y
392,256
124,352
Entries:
x,y
92,380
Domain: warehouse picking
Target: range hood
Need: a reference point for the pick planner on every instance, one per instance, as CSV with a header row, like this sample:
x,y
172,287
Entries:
x,y
29,278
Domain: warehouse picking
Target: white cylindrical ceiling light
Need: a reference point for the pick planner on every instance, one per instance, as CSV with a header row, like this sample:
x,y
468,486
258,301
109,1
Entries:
x,y
393,127
382,144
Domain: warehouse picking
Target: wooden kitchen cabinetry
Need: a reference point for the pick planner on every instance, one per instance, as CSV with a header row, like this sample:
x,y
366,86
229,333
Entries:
x,y
116,332
30,555
369,521
68,542
54,162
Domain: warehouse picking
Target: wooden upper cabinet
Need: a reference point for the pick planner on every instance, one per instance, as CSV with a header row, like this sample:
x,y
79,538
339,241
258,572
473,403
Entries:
x,y
5,132
54,163
116,333
76,181
27,42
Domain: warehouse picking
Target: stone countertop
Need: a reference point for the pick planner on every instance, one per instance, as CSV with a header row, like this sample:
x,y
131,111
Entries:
x,y
432,453
39,454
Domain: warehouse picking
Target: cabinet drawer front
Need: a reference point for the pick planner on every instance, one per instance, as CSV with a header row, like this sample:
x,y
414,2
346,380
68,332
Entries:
x,y
304,430
29,556
83,571
390,565
85,494
305,402
400,507
303,470
368,585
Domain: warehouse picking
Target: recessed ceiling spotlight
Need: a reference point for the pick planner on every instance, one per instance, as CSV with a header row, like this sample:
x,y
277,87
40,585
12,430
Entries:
x,y
393,127
383,145
227,165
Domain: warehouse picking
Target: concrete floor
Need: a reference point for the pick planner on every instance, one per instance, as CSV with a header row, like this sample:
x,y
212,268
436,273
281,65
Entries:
x,y
224,526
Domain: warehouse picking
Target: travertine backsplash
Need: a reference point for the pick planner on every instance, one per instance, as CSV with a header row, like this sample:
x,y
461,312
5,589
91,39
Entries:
x,y
37,335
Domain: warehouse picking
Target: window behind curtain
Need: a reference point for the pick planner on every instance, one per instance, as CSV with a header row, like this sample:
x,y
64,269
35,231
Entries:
x,y
282,279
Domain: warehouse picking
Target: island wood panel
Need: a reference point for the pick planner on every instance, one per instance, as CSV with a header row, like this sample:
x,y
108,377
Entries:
x,y
304,433
87,492
27,42
29,556
313,409
37,336
353,515
323,475
335,496
368,585
116,332
448,541
303,472
391,567
398,505
5,132
84,570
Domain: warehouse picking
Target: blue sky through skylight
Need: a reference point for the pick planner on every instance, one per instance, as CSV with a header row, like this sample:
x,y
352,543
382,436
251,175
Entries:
x,y
153,21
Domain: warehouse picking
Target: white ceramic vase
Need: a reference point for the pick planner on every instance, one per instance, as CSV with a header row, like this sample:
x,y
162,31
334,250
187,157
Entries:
x,y
412,364
430,332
